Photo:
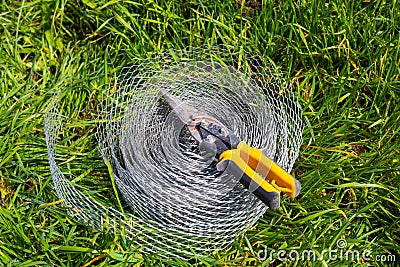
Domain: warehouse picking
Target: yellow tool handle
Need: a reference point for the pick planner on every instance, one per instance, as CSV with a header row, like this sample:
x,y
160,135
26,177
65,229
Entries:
x,y
267,168
250,179
259,174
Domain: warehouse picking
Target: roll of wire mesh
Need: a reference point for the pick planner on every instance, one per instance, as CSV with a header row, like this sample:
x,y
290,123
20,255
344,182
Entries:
x,y
181,205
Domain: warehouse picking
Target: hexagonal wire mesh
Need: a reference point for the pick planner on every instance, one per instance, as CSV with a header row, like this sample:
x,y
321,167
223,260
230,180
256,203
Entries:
x,y
181,205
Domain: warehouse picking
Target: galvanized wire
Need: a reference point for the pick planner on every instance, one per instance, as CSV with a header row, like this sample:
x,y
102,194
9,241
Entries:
x,y
181,205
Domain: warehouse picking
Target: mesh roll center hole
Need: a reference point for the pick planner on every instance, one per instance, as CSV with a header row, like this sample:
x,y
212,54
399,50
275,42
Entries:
x,y
187,144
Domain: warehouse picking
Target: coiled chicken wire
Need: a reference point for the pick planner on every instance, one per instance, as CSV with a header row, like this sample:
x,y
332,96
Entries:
x,y
181,205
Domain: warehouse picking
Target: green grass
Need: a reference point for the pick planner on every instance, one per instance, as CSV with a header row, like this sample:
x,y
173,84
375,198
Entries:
x,y
342,57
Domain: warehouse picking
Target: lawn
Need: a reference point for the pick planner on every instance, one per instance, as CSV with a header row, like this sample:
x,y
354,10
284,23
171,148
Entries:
x,y
342,57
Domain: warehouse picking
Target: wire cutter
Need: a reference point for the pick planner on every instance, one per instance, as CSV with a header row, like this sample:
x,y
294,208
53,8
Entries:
x,y
258,173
